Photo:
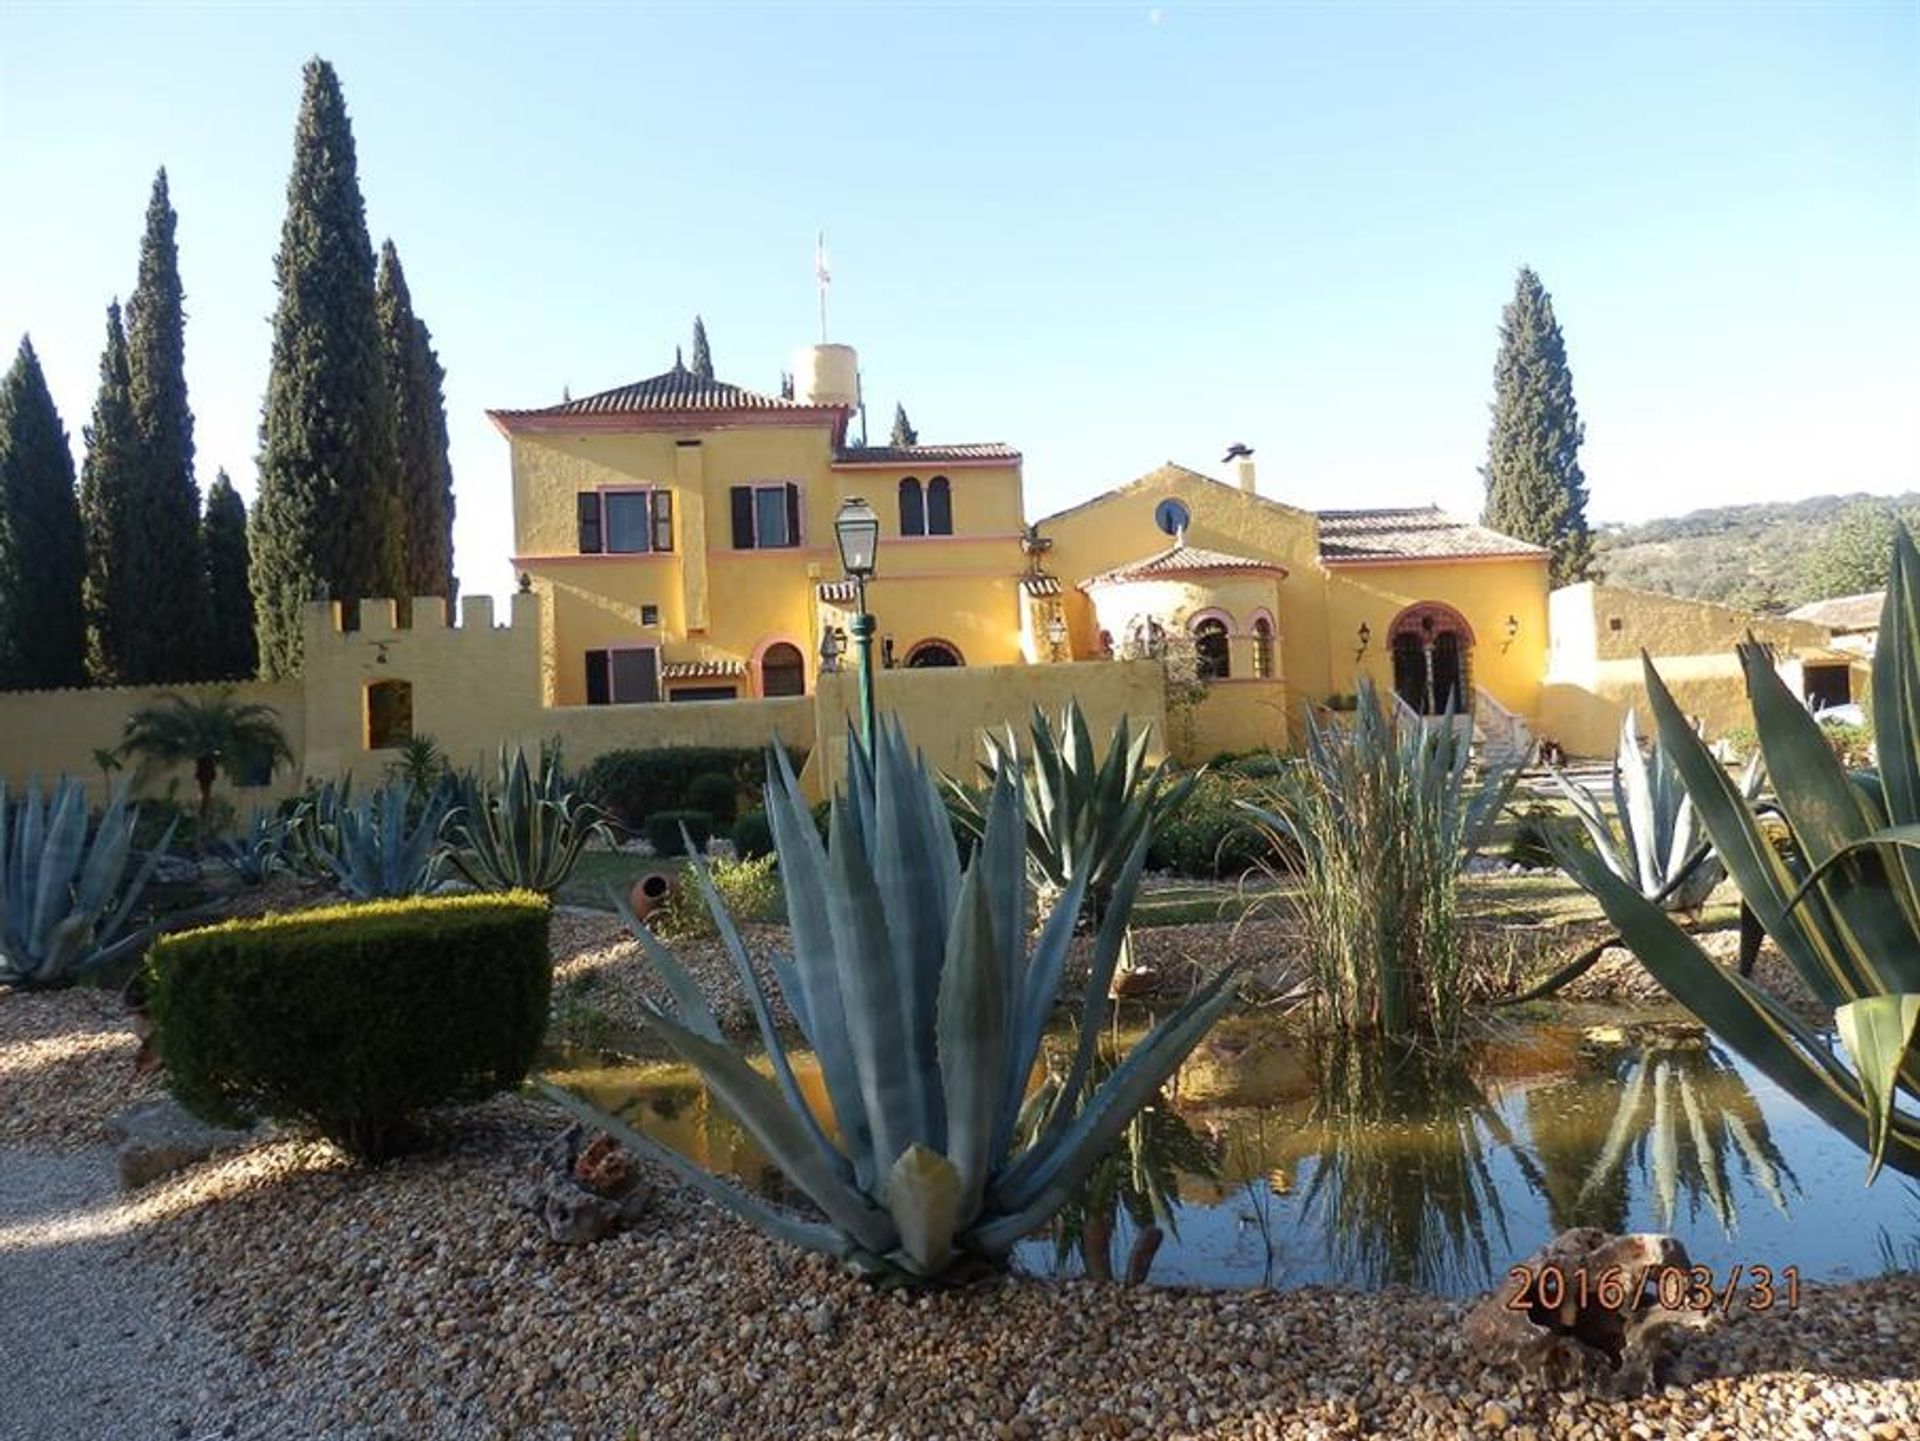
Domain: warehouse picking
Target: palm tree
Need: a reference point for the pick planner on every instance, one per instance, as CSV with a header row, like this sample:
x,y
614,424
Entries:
x,y
220,733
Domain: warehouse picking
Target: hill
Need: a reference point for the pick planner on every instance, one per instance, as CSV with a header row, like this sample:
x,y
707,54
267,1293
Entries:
x,y
1747,555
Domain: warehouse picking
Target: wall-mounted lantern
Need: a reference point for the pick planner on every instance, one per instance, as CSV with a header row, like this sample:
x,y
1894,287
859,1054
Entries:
x,y
1365,637
1057,635
1513,633
833,645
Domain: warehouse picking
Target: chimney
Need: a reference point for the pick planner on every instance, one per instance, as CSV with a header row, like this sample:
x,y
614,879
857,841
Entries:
x,y
1240,457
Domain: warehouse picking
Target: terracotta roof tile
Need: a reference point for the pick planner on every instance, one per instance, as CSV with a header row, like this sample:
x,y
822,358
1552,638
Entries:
x,y
1182,560
1416,533
1844,612
926,454
675,390
702,669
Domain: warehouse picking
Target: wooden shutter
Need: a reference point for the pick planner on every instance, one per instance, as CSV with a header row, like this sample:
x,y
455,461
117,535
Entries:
x,y
793,514
589,512
913,512
939,507
663,520
742,497
599,688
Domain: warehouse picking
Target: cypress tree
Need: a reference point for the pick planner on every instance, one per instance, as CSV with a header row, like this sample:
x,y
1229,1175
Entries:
x,y
328,518
702,355
414,379
43,557
230,651
1535,488
903,431
113,514
162,556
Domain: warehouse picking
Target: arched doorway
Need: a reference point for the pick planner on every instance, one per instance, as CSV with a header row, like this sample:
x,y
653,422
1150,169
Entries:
x,y
934,653
1432,647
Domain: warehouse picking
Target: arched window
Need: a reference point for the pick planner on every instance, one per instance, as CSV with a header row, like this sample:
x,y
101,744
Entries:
x,y
1432,648
1211,650
389,718
783,670
913,508
934,653
1262,648
939,506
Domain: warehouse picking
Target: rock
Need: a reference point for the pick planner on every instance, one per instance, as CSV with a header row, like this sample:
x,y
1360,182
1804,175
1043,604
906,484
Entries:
x,y
1614,1348
1135,981
157,1138
581,1192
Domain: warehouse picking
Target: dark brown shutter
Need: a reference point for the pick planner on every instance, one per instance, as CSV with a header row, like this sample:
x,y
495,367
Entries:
x,y
793,514
663,520
742,496
599,691
913,511
939,507
589,503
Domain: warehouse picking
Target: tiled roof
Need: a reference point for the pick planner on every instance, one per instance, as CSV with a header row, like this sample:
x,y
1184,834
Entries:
x,y
1040,584
1182,560
1418,533
677,389
702,669
1844,612
926,454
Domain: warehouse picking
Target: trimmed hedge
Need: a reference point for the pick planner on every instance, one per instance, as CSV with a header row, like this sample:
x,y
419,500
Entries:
x,y
352,1018
716,794
663,831
1210,836
753,836
632,785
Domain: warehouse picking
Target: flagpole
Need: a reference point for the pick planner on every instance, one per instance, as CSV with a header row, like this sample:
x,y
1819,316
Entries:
x,y
821,275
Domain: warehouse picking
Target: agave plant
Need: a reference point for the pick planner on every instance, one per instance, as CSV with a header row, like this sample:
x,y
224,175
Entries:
x,y
1659,847
1083,812
380,851
313,828
65,899
520,832
258,851
1845,911
1384,817
913,982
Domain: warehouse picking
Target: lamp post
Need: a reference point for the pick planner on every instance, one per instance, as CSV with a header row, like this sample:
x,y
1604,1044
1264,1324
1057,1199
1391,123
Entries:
x,y
857,531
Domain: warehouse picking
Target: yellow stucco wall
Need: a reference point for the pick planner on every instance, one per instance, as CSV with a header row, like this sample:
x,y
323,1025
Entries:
x,y
1594,673
946,711
718,603
48,733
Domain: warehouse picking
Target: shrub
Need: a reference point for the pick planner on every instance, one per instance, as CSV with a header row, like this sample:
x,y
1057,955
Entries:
x,y
716,794
753,835
750,890
352,1018
663,831
1210,835
632,784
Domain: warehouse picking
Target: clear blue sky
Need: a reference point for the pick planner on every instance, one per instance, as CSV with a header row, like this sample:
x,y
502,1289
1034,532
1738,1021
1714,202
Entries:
x,y
1109,235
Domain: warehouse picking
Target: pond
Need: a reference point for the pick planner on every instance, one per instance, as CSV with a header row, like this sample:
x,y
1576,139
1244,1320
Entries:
x,y
1350,1167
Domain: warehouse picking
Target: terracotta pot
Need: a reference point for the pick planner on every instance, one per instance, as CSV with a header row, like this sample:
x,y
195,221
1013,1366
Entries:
x,y
650,893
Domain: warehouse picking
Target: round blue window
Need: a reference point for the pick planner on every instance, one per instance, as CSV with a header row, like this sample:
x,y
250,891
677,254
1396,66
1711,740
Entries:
x,y
1171,516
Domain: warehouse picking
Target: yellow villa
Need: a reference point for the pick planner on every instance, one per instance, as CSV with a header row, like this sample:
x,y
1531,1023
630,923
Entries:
x,y
680,583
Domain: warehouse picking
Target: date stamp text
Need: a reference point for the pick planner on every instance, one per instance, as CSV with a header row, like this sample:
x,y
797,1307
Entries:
x,y
1668,1288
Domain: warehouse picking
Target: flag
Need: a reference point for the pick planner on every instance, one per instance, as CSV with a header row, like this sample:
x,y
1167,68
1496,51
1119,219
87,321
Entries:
x,y
820,260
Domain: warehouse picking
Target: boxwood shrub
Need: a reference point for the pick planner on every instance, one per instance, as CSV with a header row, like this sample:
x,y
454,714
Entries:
x,y
716,794
633,784
1210,836
663,831
351,1019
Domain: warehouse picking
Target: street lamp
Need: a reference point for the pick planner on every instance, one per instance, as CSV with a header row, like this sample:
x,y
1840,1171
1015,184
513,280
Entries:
x,y
857,531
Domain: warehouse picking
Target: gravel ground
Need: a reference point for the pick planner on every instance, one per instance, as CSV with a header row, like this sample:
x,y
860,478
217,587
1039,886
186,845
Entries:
x,y
95,1345
1619,976
278,1292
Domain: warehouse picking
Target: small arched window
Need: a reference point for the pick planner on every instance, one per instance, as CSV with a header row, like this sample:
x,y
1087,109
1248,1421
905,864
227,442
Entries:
x,y
939,506
389,718
1211,651
783,670
913,508
933,653
1262,648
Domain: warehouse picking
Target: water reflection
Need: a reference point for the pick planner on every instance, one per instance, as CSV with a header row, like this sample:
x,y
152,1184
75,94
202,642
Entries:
x,y
1272,1162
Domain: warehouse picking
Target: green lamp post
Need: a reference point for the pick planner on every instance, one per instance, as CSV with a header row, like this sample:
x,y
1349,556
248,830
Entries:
x,y
857,530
